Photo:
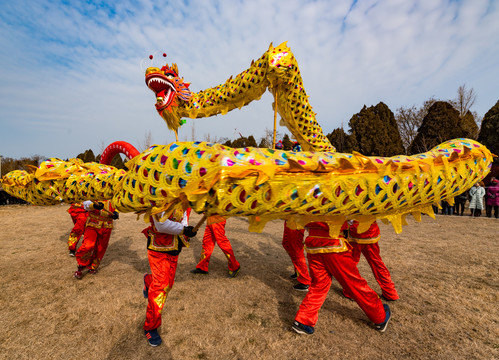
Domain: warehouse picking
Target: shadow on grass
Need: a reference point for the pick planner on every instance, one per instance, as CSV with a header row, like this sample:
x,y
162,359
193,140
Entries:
x,y
64,237
276,277
121,251
134,342
259,263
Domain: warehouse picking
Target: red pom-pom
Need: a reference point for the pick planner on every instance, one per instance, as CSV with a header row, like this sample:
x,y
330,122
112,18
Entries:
x,y
150,57
164,54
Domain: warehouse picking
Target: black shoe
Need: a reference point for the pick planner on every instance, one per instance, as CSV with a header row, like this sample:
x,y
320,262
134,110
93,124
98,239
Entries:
x,y
382,327
72,253
233,274
301,287
293,276
153,337
199,271
302,328
347,297
93,271
383,297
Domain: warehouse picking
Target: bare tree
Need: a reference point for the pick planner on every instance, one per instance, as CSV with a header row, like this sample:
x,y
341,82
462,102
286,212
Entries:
x,y
266,140
24,163
410,119
464,99
102,146
37,159
146,142
478,120
427,144
214,139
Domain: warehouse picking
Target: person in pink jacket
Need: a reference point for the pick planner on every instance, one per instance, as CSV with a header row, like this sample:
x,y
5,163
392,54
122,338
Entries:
x,y
492,196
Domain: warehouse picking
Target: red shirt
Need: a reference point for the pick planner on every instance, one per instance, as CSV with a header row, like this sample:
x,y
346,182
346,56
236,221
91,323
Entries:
x,y
370,236
319,240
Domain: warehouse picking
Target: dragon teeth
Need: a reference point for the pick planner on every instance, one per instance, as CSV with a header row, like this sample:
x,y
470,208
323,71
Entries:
x,y
158,80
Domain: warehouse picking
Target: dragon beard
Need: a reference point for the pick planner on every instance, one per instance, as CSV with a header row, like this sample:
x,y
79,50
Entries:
x,y
170,114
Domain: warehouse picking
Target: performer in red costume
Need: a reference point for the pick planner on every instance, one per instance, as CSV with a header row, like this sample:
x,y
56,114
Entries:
x,y
292,242
332,257
165,240
79,216
215,233
98,230
367,244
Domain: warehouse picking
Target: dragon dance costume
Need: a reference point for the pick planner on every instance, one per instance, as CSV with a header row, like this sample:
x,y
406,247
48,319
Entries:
x,y
98,228
164,244
215,233
292,242
79,216
330,257
317,184
367,244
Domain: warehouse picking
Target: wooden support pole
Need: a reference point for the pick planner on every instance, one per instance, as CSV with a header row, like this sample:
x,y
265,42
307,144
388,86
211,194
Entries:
x,y
275,118
198,225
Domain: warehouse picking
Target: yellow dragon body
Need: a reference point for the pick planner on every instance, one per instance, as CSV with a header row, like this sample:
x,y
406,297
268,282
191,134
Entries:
x,y
276,70
262,184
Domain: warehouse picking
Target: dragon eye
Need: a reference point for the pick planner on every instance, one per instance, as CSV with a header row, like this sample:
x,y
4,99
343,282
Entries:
x,y
170,75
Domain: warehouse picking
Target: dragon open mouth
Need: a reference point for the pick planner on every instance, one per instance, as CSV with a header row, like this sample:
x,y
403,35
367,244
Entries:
x,y
163,88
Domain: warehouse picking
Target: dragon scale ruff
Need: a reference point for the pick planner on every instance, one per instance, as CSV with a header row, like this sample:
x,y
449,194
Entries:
x,y
265,184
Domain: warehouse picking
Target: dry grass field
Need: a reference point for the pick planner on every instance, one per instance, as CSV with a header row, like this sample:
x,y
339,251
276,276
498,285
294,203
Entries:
x,y
446,272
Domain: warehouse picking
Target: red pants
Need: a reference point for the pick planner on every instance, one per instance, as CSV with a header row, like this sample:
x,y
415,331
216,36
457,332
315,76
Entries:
x,y
79,221
378,267
292,242
215,233
93,247
163,268
342,267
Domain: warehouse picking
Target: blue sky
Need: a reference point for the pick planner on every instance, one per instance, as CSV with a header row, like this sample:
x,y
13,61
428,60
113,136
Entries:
x,y
71,75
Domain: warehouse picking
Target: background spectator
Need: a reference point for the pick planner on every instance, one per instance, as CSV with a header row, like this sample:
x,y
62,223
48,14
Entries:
x,y
477,193
492,196
460,203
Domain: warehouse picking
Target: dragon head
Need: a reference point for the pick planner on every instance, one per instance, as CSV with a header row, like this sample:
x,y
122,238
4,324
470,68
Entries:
x,y
170,90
